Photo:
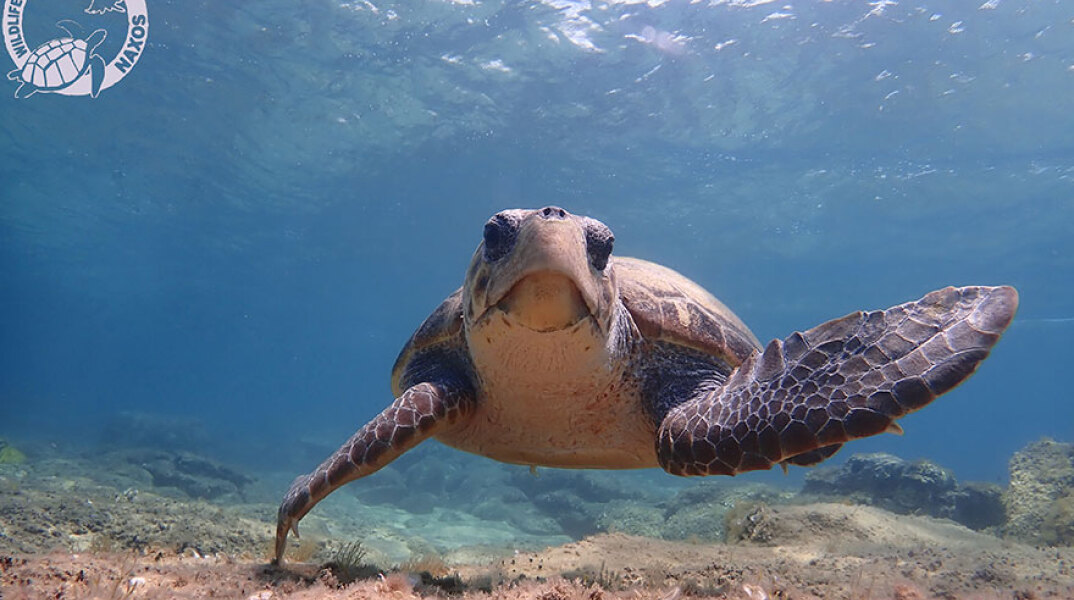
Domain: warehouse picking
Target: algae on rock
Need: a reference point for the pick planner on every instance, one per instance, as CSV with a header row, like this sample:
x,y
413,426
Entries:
x,y
908,487
700,512
1040,499
10,455
1058,526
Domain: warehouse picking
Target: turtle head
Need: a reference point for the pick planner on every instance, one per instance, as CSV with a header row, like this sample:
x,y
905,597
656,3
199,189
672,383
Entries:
x,y
544,269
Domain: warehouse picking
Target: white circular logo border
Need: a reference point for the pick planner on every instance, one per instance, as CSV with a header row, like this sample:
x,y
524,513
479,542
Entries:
x,y
134,45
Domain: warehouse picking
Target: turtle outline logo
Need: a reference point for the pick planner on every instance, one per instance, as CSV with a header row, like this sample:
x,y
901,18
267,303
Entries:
x,y
69,65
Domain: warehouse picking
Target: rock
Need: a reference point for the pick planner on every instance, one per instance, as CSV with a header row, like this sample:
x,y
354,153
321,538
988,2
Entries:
x,y
883,480
979,505
195,476
632,518
385,486
86,517
10,455
830,525
699,512
904,487
132,429
577,500
518,513
589,486
576,517
418,502
1058,529
1041,489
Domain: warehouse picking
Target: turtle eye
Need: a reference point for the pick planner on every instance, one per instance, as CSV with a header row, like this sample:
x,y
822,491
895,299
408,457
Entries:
x,y
598,243
501,231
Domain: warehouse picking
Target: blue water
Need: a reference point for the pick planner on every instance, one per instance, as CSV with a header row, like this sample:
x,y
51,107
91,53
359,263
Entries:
x,y
248,227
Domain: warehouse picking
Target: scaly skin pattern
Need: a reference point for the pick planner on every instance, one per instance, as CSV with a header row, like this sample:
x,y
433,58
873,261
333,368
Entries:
x,y
846,379
419,413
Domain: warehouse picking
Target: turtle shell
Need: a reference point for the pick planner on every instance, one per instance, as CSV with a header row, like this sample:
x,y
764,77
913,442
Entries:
x,y
55,64
443,326
668,307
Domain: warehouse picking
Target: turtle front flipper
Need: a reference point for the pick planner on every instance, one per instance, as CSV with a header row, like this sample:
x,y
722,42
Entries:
x,y
420,412
97,65
97,71
843,380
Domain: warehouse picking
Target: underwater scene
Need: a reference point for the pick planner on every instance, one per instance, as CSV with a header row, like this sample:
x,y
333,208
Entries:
x,y
546,299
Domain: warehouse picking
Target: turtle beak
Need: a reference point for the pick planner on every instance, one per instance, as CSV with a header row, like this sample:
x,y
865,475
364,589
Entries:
x,y
547,283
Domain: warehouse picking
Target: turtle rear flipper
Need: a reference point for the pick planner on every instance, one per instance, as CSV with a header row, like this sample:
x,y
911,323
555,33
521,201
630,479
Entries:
x,y
19,93
16,75
846,379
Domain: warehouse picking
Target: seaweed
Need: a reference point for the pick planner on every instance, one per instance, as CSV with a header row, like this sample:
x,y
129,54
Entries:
x,y
347,564
603,578
120,587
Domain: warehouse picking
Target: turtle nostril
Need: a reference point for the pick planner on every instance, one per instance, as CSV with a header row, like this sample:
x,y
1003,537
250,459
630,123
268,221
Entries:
x,y
553,212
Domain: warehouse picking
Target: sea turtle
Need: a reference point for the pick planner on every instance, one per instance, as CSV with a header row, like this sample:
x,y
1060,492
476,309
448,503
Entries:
x,y
58,63
555,353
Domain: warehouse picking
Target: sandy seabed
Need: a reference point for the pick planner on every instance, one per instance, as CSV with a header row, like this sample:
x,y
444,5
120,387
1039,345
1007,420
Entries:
x,y
75,528
810,551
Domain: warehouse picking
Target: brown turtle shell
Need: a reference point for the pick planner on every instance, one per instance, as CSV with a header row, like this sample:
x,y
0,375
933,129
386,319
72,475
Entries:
x,y
668,307
443,326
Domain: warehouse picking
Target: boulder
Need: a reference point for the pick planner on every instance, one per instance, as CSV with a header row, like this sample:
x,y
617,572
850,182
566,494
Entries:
x,y
1040,498
700,512
904,487
195,476
135,429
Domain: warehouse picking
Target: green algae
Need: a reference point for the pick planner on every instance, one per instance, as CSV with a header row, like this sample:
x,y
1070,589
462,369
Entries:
x,y
10,455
